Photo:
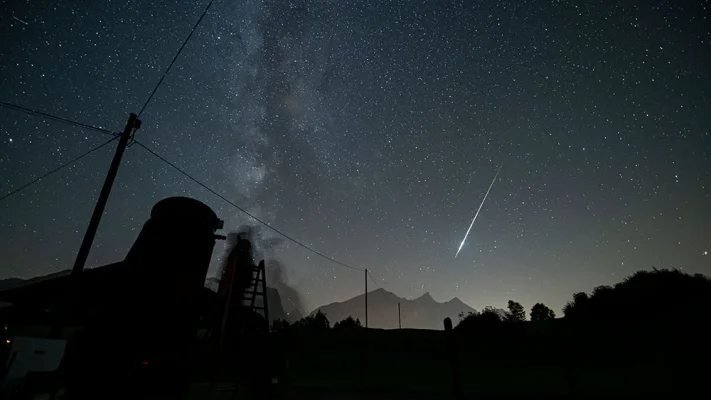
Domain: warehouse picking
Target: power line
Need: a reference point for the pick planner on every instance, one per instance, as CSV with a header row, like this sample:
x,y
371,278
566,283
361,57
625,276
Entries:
x,y
247,212
45,115
373,279
176,57
68,163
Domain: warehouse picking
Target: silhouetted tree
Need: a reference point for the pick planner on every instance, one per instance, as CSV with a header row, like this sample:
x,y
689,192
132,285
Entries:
x,y
315,322
488,317
280,325
348,323
320,321
539,312
516,312
647,295
490,314
568,309
602,290
580,300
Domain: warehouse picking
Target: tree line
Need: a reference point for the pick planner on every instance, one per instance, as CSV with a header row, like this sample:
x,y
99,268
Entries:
x,y
659,294
315,322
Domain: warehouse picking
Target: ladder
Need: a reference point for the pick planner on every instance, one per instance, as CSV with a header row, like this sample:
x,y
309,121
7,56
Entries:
x,y
257,289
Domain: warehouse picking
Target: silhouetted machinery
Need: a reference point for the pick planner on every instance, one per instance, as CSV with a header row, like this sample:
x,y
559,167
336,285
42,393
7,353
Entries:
x,y
131,323
150,317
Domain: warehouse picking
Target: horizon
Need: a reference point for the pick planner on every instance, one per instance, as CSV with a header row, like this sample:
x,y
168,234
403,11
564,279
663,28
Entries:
x,y
311,310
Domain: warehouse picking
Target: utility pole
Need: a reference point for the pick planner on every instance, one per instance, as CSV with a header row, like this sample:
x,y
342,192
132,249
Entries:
x,y
366,297
399,321
132,124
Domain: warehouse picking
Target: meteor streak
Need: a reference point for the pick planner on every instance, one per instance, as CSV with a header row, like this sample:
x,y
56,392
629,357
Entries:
x,y
477,211
19,20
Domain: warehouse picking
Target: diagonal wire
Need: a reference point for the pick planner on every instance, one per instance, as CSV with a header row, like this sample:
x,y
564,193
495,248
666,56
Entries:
x,y
373,279
318,253
176,57
45,115
68,163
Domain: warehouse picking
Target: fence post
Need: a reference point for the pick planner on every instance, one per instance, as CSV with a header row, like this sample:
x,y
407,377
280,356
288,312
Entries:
x,y
451,346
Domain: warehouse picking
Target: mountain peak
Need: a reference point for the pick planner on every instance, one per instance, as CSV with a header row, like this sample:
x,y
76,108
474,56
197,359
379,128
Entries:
x,y
455,300
383,294
425,297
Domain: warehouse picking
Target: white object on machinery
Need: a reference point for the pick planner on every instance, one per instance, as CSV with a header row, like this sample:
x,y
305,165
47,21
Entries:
x,y
33,354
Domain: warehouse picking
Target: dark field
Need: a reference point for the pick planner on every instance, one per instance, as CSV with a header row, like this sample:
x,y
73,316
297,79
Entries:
x,y
515,361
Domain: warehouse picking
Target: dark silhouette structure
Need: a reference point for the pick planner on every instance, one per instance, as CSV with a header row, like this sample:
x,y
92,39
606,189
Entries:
x,y
448,324
161,279
130,331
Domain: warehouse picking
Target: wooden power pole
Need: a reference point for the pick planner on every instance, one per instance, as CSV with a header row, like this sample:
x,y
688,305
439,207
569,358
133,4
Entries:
x,y
399,321
132,124
366,297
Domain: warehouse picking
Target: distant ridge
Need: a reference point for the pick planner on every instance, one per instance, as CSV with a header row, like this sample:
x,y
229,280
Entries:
x,y
420,313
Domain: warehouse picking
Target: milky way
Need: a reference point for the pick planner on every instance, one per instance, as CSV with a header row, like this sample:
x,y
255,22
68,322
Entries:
x,y
355,127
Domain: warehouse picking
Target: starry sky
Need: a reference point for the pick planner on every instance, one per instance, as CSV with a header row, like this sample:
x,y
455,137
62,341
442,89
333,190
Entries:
x,y
371,131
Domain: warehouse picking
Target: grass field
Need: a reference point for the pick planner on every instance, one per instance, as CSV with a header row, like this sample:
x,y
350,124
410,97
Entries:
x,y
422,363
551,360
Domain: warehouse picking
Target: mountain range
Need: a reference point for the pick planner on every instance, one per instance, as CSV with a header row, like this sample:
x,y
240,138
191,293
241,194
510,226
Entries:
x,y
421,313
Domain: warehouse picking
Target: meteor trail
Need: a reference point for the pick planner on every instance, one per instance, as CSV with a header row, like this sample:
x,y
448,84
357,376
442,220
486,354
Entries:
x,y
477,211
19,20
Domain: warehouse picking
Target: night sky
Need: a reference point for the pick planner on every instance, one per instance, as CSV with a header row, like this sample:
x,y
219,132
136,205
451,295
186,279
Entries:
x,y
371,130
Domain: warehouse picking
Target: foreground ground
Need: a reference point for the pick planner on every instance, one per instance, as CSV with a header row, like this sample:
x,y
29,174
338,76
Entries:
x,y
526,361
